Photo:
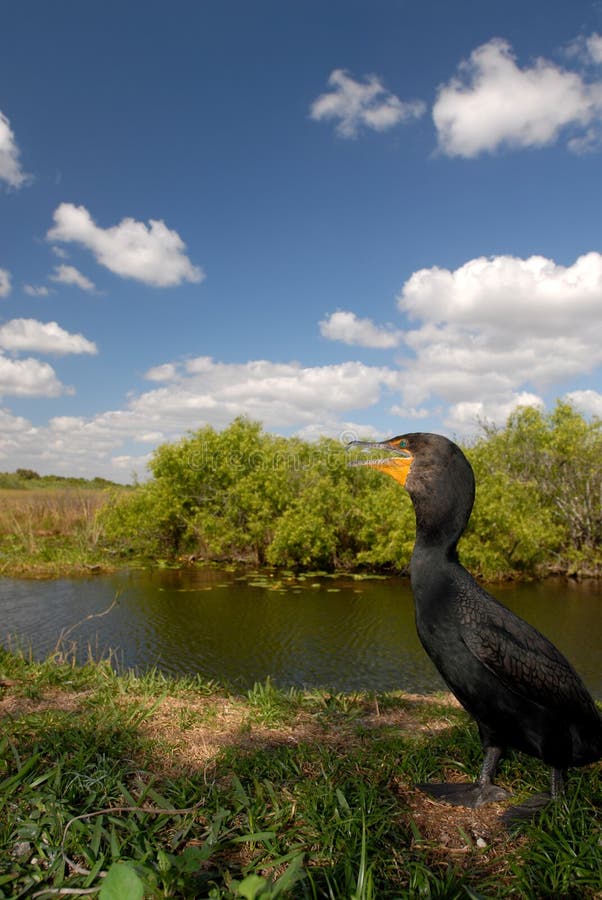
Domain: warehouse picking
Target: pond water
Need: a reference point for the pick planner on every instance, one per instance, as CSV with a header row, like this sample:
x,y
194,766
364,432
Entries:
x,y
340,633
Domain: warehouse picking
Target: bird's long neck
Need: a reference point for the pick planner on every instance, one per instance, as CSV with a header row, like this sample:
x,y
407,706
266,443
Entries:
x,y
442,506
434,566
441,517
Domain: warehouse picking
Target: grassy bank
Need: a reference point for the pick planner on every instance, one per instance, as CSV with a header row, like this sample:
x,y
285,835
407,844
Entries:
x,y
124,787
52,530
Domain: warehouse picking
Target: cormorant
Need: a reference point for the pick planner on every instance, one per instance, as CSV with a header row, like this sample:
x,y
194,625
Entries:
x,y
513,681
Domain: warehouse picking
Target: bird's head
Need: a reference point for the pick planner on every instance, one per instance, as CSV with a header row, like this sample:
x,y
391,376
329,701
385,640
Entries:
x,y
435,473
397,463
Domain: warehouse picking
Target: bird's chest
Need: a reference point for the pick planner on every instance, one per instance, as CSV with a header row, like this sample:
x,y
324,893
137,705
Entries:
x,y
437,629
436,614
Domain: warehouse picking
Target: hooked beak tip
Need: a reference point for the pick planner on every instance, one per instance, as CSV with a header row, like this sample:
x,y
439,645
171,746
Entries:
x,y
364,445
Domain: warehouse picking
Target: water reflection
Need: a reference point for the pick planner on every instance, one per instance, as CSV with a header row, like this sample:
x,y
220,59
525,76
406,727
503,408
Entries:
x,y
339,633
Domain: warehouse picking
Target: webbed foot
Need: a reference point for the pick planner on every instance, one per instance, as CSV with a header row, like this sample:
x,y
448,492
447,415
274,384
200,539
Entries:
x,y
471,795
527,810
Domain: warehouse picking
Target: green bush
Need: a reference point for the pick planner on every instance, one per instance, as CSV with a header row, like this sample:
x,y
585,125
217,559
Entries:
x,y
244,494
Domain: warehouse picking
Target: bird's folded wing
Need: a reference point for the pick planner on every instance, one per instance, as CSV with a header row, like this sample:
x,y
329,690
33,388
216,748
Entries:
x,y
517,654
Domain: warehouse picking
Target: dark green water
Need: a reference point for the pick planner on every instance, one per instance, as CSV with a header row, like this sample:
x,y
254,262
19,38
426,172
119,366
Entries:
x,y
329,632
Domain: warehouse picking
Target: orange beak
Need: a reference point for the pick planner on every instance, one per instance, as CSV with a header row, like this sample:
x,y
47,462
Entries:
x,y
397,465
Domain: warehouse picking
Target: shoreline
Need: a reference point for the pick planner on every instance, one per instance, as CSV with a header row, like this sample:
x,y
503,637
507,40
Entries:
x,y
99,565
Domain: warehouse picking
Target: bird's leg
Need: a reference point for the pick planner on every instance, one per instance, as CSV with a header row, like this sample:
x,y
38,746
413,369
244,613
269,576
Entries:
x,y
490,764
488,791
534,804
472,795
557,777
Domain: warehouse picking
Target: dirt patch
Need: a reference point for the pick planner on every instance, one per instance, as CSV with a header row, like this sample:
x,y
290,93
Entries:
x,y
403,720
192,730
454,829
54,700
472,839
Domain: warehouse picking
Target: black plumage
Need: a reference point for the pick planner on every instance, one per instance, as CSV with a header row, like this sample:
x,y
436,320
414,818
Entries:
x,y
522,692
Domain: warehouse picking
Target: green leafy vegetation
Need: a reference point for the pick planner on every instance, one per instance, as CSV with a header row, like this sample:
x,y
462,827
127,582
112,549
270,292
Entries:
x,y
241,494
27,479
129,787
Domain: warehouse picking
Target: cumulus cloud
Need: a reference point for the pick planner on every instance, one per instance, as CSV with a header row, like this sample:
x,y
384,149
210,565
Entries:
x,y
505,291
36,290
495,328
65,274
355,105
588,401
29,335
16,433
342,431
347,327
153,254
10,166
165,372
410,412
28,378
4,283
57,447
594,48
587,49
280,395
200,391
478,341
462,418
493,103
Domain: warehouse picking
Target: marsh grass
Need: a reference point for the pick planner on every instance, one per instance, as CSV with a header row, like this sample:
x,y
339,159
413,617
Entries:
x,y
47,530
129,787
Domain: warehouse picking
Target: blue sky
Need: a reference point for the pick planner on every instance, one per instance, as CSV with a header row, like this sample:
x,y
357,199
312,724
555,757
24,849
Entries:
x,y
342,218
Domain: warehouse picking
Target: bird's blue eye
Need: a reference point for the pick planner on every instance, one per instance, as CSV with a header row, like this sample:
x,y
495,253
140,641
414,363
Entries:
x,y
403,443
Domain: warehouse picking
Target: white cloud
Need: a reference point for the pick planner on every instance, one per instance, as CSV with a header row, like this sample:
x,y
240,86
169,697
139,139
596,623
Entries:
x,y
10,167
341,431
15,433
49,448
70,275
594,48
587,50
203,391
481,340
493,103
28,378
129,466
348,328
66,423
355,105
588,401
36,290
495,328
151,437
5,286
280,395
152,254
509,293
29,335
462,418
410,412
166,372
